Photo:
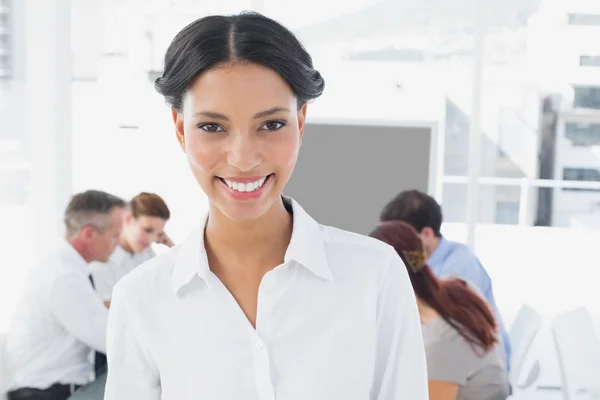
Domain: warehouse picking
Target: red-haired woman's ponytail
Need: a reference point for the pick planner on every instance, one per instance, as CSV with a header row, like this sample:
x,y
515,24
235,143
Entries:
x,y
452,299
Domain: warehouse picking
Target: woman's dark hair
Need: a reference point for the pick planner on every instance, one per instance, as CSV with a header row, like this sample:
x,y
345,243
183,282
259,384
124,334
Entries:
x,y
452,299
247,37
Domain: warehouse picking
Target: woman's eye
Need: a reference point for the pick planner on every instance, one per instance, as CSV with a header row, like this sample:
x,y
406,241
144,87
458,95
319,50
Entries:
x,y
272,126
211,127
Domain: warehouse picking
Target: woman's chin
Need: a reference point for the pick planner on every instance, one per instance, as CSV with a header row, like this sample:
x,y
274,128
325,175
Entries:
x,y
139,248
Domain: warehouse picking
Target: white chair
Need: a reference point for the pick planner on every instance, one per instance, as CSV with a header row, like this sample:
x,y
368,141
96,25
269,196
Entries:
x,y
527,389
3,368
522,333
578,349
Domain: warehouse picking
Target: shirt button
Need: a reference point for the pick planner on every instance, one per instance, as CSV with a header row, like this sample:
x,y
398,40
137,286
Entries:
x,y
259,345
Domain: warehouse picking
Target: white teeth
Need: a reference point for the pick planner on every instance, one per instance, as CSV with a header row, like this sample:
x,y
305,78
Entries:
x,y
246,187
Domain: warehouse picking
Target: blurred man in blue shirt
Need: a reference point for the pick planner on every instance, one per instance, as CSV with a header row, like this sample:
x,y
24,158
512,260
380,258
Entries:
x,y
446,258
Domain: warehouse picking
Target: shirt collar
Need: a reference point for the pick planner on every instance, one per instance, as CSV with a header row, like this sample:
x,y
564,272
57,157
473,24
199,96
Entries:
x,y
439,254
70,254
307,245
306,248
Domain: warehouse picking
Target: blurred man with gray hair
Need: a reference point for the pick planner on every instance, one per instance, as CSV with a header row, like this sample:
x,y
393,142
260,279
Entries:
x,y
59,318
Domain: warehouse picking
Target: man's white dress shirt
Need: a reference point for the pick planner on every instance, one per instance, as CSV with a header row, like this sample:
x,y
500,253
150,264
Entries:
x,y
120,263
336,321
58,320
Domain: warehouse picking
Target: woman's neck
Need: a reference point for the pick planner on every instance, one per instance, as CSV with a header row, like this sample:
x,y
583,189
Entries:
x,y
124,244
249,243
426,313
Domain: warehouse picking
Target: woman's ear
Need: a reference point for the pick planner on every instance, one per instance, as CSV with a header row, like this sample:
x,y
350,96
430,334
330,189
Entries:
x,y
302,121
179,131
128,217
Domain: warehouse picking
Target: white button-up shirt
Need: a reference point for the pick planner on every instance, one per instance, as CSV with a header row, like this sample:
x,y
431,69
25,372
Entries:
x,y
120,263
336,321
58,320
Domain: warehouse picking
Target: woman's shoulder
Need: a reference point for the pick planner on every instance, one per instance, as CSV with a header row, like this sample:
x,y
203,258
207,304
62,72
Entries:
x,y
438,330
344,246
335,240
440,337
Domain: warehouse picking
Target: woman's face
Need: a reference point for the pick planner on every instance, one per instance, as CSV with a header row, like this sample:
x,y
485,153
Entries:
x,y
241,130
141,232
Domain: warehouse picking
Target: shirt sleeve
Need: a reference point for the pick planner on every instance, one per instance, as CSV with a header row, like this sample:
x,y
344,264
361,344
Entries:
x,y
400,369
131,371
75,305
451,359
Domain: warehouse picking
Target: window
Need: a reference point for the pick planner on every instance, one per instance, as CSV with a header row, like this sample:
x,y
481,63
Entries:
x,y
5,39
583,134
390,55
589,61
587,97
507,213
581,174
584,19
4,66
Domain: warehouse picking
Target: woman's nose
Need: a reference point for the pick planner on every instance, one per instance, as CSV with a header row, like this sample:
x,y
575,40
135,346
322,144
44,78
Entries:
x,y
244,153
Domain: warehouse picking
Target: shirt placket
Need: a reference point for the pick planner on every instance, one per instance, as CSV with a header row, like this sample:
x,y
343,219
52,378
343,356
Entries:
x,y
264,325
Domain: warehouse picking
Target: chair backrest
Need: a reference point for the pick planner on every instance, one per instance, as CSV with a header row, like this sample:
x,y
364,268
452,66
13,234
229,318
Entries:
x,y
522,333
578,350
3,367
533,376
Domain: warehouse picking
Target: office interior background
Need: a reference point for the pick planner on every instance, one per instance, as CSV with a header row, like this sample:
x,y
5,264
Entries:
x,y
513,87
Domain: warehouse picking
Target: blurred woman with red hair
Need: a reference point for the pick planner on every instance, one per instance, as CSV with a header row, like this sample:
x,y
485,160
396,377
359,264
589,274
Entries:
x,y
464,357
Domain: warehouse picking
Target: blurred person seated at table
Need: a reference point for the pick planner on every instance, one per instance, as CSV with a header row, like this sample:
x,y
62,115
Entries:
x,y
59,317
465,359
143,224
446,259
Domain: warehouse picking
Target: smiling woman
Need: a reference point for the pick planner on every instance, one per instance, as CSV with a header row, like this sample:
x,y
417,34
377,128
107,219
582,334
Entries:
x,y
229,135
261,302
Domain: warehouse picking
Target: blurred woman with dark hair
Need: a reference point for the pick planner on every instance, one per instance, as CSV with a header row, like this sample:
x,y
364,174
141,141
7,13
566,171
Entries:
x,y
464,358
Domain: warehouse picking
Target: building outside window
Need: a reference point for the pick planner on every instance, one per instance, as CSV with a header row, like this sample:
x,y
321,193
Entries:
x,y
584,19
587,97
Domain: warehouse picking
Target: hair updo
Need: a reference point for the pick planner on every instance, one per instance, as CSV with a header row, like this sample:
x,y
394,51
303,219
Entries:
x,y
246,37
